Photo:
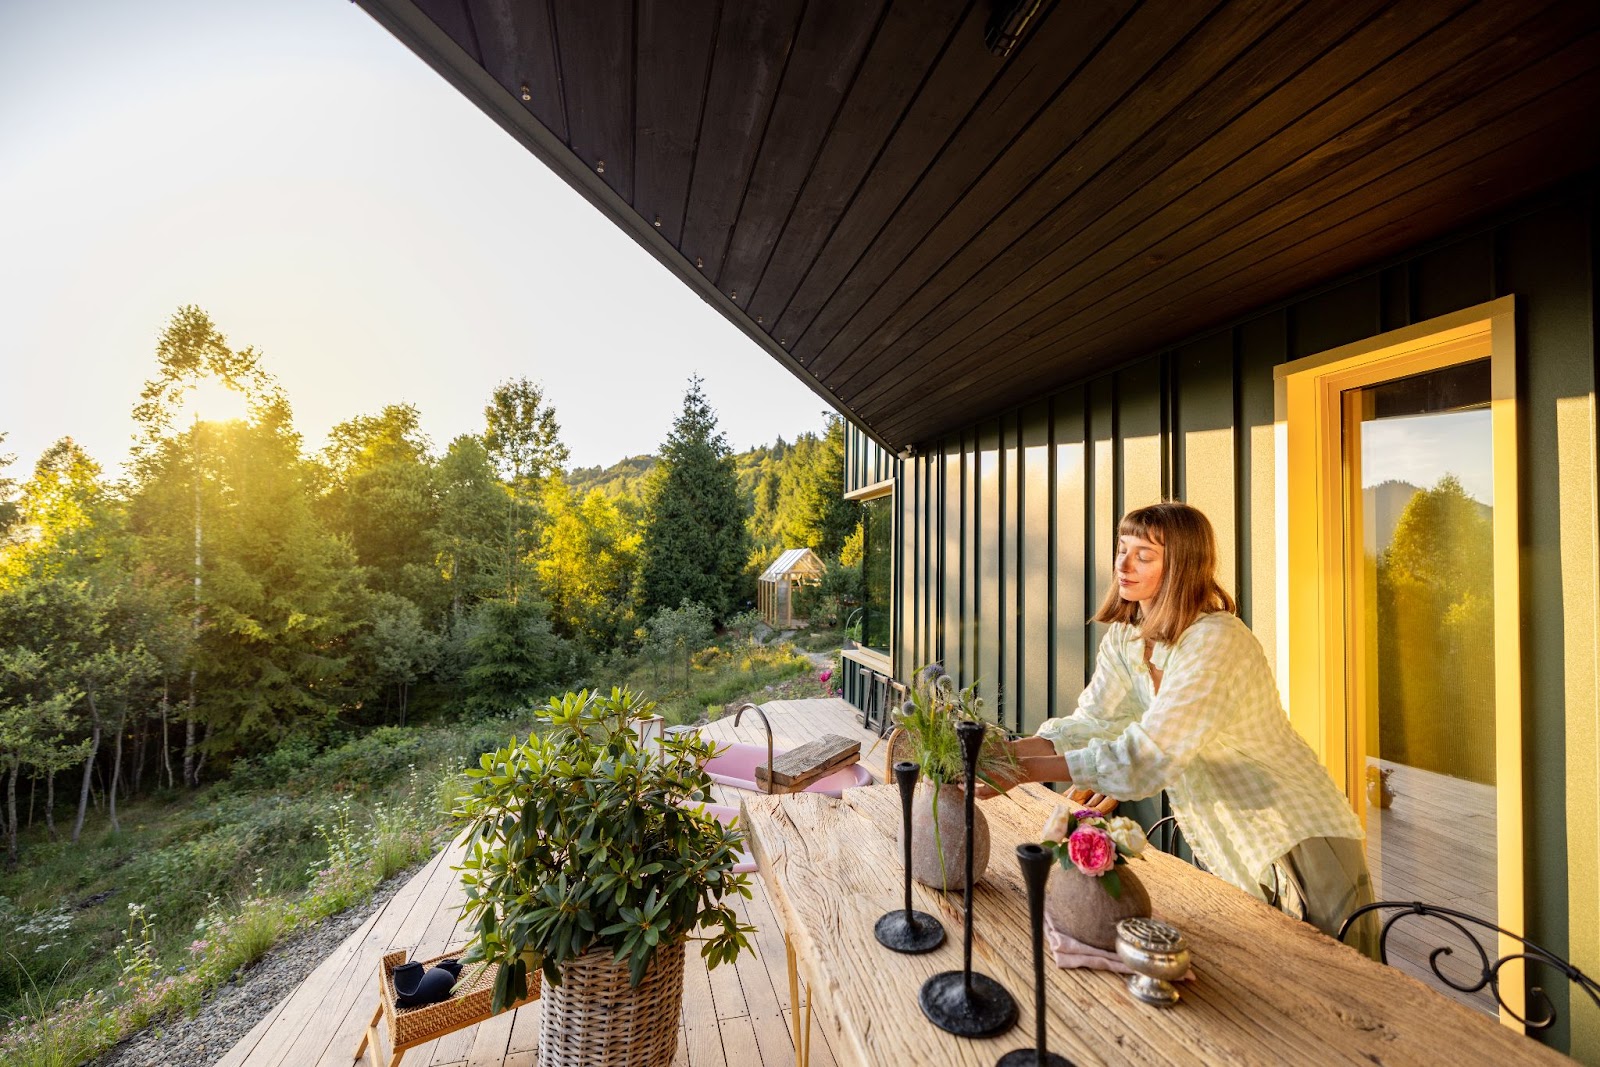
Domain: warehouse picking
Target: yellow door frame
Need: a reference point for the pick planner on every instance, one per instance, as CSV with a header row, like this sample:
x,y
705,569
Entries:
x,y
1318,588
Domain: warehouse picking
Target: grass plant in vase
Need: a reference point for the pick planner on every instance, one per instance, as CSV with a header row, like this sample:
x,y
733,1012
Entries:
x,y
927,724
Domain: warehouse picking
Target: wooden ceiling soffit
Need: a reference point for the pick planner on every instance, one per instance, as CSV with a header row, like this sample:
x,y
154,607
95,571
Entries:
x,y
517,82
927,234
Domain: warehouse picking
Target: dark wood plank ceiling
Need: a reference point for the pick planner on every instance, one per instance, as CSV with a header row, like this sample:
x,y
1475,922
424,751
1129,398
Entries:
x,y
928,234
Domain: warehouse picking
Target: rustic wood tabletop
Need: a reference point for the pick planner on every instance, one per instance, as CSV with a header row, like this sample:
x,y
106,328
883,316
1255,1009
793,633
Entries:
x,y
1267,989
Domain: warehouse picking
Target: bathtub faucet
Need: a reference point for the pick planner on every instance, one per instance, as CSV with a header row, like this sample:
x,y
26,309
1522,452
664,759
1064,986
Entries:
x,y
768,725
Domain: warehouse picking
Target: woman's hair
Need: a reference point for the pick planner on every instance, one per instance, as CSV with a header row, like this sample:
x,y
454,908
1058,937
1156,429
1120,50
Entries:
x,y
1189,586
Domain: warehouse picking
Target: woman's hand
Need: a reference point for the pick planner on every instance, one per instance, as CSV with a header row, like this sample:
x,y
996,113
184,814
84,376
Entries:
x,y
1036,762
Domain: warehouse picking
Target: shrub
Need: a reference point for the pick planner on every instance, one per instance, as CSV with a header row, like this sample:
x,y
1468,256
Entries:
x,y
578,840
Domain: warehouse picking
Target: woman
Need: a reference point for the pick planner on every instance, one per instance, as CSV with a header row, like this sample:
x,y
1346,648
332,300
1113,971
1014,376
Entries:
x,y
1182,699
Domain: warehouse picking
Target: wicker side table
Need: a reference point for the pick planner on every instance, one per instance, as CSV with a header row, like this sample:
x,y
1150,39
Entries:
x,y
409,1027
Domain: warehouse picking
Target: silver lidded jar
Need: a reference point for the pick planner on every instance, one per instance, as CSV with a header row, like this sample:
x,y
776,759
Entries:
x,y
1158,956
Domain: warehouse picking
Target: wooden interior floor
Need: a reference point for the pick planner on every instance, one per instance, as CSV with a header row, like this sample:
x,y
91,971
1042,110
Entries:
x,y
735,1016
1436,843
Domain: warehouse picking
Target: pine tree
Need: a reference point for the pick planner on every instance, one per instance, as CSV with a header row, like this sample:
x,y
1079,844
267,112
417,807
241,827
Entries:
x,y
695,543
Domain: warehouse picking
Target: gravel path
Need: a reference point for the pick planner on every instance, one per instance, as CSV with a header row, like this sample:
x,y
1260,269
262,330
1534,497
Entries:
x,y
233,1009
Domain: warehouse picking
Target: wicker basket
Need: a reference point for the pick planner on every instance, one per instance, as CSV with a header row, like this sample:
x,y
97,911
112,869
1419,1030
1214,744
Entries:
x,y
470,1004
594,1018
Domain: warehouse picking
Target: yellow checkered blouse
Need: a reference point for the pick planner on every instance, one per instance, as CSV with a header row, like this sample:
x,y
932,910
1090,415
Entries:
x,y
1245,787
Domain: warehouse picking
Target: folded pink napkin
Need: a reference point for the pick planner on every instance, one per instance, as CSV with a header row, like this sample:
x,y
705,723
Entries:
x,y
1070,952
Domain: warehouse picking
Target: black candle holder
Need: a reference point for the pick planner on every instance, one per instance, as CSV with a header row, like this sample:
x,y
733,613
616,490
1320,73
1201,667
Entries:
x,y
908,931
961,1002
1035,863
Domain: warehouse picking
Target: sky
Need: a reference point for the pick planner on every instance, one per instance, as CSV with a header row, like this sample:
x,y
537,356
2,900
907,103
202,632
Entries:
x,y
328,199
1422,449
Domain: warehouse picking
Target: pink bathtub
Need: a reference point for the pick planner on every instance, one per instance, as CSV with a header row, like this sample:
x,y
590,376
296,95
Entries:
x,y
735,767
726,814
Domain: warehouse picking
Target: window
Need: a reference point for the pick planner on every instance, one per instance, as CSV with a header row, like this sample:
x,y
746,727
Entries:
x,y
877,567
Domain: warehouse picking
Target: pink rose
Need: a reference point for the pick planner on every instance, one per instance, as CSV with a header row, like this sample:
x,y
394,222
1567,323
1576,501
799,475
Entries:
x,y
1092,851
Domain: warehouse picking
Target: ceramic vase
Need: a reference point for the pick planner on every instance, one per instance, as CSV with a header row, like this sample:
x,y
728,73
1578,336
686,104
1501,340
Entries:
x,y
1079,906
939,849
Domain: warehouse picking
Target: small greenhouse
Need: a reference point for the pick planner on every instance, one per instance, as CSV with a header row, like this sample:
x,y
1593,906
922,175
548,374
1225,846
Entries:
x,y
796,567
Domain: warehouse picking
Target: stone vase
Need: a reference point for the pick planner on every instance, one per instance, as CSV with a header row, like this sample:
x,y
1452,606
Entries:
x,y
939,859
1078,905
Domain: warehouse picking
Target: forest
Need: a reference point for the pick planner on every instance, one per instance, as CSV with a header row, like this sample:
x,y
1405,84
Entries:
x,y
245,654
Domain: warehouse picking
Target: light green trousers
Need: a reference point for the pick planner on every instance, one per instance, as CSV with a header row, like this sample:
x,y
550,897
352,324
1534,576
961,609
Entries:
x,y
1321,881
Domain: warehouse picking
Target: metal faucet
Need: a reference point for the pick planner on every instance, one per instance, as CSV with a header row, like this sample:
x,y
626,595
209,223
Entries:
x,y
768,725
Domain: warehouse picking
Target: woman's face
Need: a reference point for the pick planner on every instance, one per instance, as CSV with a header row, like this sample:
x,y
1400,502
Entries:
x,y
1139,566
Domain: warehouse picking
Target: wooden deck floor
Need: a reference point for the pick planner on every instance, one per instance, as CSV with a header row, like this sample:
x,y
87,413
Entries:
x,y
1436,843
735,1016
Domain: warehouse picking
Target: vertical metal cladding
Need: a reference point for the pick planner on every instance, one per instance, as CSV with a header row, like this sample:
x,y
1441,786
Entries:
x,y
1005,528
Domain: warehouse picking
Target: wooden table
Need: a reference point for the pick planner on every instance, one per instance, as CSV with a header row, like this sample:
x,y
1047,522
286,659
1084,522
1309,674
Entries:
x,y
1268,990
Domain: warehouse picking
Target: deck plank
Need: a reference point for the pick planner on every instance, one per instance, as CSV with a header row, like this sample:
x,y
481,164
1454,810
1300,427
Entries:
x,y
736,1016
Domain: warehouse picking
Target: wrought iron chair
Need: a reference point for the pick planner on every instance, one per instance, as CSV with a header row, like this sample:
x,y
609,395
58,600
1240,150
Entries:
x,y
1488,973
1165,834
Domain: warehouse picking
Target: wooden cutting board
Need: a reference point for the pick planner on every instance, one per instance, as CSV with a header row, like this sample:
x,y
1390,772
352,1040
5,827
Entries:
x,y
799,767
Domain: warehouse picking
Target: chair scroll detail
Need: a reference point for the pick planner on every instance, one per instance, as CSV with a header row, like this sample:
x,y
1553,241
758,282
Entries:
x,y
1489,970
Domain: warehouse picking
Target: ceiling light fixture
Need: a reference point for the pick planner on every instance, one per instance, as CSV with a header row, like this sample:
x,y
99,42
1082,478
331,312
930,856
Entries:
x,y
1007,23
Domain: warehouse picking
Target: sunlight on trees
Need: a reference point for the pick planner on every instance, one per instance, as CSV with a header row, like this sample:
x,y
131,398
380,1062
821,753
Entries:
x,y
1435,585
234,593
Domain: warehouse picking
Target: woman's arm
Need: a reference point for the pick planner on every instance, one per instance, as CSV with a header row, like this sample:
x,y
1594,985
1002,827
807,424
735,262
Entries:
x,y
1103,707
1195,702
1101,712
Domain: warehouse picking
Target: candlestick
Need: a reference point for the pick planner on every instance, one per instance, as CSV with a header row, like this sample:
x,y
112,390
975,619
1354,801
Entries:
x,y
1035,863
908,931
962,1002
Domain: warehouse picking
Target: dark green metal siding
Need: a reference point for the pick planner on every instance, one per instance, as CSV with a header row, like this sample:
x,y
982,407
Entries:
x,y
1005,529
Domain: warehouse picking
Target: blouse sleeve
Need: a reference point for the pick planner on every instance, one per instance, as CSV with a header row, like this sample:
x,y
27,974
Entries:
x,y
1103,708
1148,754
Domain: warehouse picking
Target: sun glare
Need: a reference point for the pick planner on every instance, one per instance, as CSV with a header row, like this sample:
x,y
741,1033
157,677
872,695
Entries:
x,y
211,400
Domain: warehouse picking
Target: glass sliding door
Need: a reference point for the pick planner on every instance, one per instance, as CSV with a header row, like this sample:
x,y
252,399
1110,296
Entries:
x,y
1400,632
1420,663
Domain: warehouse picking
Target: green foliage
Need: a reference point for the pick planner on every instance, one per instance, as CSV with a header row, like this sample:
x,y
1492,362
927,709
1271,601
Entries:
x,y
744,626
382,495
517,657
398,650
1435,593
579,840
468,541
522,435
695,544
276,591
830,601
674,634
8,489
796,494
623,482
588,558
